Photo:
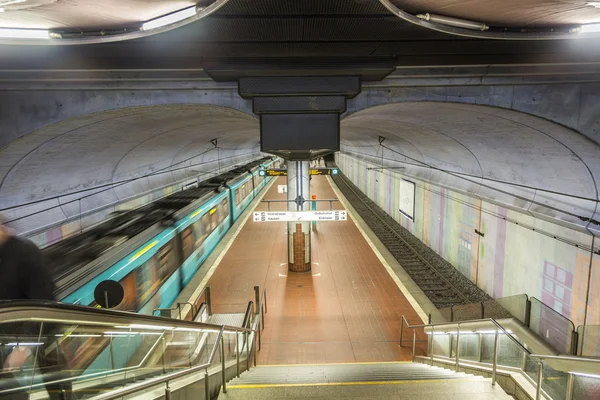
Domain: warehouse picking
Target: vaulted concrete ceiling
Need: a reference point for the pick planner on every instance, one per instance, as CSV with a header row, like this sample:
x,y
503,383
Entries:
x,y
502,156
86,15
509,13
506,157
145,147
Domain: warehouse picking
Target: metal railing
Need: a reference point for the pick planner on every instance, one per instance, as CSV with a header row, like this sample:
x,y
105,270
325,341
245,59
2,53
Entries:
x,y
70,321
570,365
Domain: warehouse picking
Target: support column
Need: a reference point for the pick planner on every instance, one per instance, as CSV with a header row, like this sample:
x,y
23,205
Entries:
x,y
298,189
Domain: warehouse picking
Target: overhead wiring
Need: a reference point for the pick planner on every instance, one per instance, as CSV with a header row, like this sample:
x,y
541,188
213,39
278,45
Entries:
x,y
113,185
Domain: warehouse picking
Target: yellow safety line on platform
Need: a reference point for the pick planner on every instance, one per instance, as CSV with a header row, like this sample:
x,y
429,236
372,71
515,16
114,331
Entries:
x,y
389,269
213,267
328,364
403,382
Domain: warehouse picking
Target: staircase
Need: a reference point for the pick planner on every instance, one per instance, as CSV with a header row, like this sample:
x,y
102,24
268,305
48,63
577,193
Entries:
x,y
360,381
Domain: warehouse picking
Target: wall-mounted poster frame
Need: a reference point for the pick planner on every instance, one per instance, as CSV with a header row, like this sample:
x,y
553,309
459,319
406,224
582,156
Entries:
x,y
407,199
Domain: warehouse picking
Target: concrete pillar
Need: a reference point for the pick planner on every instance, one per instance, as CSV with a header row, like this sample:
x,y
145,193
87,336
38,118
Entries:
x,y
298,187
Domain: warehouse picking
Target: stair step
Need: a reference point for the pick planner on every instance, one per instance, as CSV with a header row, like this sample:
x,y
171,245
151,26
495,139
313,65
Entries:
x,y
303,374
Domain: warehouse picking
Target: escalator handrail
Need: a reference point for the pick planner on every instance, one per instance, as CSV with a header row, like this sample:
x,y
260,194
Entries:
x,y
46,311
130,389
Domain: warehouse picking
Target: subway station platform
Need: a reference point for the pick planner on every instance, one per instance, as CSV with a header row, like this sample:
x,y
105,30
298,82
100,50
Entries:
x,y
347,309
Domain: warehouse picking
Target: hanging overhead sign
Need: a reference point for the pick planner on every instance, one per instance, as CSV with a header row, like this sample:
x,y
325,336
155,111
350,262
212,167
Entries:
x,y
323,171
279,216
312,171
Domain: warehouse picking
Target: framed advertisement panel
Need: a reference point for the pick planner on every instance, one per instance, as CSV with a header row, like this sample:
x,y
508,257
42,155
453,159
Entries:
x,y
407,199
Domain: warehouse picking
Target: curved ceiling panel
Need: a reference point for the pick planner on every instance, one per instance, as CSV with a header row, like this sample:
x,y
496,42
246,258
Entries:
x,y
145,147
511,13
503,156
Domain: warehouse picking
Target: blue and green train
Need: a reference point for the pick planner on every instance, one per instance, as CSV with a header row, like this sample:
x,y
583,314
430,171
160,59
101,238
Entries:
x,y
155,250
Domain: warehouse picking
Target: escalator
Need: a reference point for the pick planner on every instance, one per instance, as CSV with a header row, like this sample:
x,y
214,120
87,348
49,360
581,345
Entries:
x,y
60,339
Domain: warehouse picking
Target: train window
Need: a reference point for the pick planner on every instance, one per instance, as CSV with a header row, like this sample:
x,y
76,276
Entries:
x,y
187,239
147,279
167,262
206,225
201,228
213,220
224,209
237,196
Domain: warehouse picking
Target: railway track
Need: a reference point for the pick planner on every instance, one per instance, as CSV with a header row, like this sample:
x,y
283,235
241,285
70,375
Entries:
x,y
438,279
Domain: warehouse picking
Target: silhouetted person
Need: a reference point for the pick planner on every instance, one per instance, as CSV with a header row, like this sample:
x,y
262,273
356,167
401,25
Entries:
x,y
23,276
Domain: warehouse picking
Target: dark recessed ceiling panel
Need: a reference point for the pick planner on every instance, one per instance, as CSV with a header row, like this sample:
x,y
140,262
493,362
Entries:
x,y
303,7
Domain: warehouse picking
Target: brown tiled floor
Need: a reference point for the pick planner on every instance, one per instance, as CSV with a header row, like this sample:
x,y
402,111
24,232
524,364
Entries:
x,y
347,309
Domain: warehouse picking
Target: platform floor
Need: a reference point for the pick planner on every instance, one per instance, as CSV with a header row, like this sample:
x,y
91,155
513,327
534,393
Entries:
x,y
347,309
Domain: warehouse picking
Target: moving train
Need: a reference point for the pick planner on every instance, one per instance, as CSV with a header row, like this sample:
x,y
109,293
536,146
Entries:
x,y
155,250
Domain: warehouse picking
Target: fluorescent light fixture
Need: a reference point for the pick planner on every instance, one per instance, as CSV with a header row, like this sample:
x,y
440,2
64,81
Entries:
x,y
25,344
170,19
76,335
131,333
585,375
593,4
24,33
590,28
1,9
457,22
9,2
151,327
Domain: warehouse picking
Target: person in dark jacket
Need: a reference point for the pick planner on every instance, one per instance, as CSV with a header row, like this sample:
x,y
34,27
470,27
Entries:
x,y
23,276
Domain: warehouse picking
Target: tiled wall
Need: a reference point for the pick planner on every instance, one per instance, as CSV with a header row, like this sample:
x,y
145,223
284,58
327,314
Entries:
x,y
509,259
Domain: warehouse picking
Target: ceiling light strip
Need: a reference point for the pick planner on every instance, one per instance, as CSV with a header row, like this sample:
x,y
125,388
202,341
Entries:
x,y
170,18
13,33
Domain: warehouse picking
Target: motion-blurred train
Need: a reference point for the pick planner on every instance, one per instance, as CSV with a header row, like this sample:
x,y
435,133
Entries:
x,y
154,251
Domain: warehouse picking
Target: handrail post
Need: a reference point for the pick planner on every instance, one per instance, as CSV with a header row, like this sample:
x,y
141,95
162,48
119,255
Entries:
x,y
431,345
247,350
257,298
495,360
206,388
164,355
540,379
208,300
222,345
480,347
457,349
258,334
414,344
237,352
401,329
255,349
570,387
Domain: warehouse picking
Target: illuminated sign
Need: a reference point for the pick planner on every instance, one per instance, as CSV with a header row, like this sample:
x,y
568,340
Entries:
x,y
278,216
312,171
323,171
276,172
